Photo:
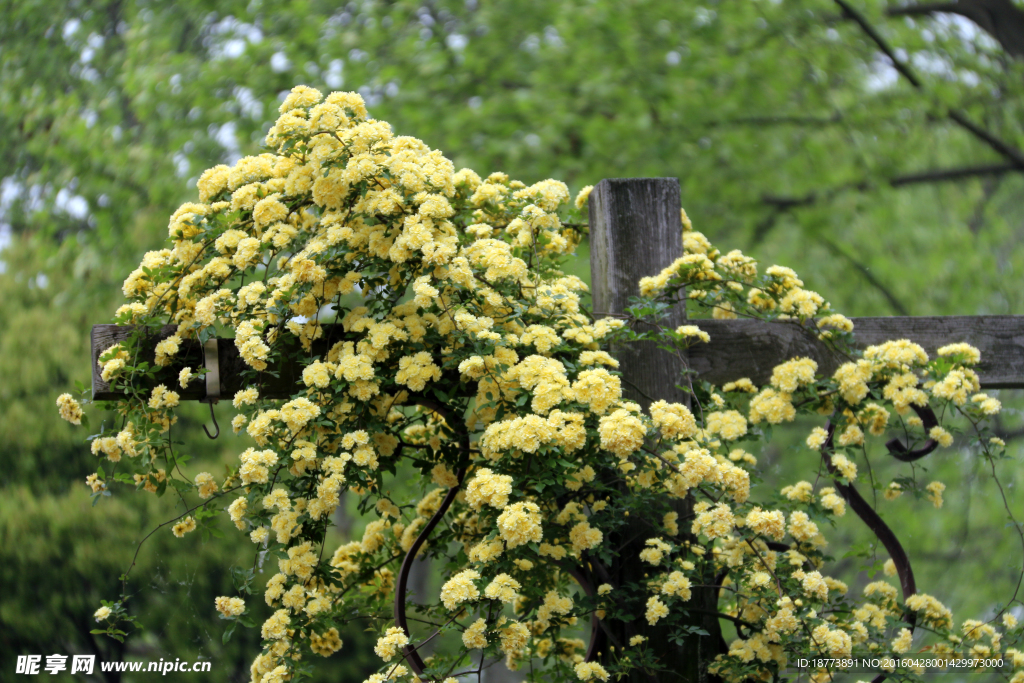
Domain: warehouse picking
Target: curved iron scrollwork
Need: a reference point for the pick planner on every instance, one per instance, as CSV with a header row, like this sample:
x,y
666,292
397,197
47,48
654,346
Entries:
x,y
901,452
412,657
868,515
595,623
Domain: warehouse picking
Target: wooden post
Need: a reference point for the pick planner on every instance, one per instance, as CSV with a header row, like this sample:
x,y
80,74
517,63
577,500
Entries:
x,y
636,231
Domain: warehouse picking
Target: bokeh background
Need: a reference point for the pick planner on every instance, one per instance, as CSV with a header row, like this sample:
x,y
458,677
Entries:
x,y
877,147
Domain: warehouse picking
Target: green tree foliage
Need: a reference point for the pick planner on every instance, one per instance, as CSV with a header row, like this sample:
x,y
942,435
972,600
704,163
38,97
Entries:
x,y
793,135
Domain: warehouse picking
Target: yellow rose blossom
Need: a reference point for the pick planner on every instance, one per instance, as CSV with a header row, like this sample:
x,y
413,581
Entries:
x,y
588,671
391,643
474,637
230,607
184,526
519,524
460,588
693,332
893,491
656,610
69,409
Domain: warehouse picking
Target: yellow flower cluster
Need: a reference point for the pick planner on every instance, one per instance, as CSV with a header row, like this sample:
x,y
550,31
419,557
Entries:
x,y
587,671
729,424
893,491
793,374
69,409
935,490
801,491
944,438
488,488
987,404
503,588
935,614
598,388
801,527
325,644
475,637
255,465
832,501
584,537
656,610
713,522
853,380
957,385
416,370
184,526
767,523
390,643
677,585
622,432
654,552
520,523
772,407
902,642
897,354
230,607
275,628
460,588
673,420
167,349
206,485
961,352
529,433
693,332
514,637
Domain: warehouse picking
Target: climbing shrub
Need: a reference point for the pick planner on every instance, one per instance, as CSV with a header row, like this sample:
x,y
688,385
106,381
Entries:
x,y
434,327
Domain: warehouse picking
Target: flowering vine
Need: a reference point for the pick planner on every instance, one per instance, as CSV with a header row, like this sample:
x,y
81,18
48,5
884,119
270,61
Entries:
x,y
470,358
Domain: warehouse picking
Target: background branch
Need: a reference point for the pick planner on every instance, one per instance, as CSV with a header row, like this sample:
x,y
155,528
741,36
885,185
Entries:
x,y
867,274
1003,148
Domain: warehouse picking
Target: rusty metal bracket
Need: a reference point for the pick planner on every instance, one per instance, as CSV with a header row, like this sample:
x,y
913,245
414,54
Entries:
x,y
901,452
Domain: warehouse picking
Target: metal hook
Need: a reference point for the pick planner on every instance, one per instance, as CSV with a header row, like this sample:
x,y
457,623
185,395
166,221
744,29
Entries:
x,y
214,418
211,360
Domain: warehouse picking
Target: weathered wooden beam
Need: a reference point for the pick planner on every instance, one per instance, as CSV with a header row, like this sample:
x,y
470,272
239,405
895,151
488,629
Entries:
x,y
751,348
277,382
738,348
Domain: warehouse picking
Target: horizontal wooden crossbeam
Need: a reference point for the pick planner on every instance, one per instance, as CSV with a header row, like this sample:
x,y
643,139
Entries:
x,y
751,348
190,354
738,348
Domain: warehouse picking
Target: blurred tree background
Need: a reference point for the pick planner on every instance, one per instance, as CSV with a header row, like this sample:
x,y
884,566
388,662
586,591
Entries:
x,y
875,147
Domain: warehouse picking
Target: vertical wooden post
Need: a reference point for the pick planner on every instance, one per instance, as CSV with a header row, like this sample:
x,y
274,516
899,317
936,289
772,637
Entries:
x,y
636,231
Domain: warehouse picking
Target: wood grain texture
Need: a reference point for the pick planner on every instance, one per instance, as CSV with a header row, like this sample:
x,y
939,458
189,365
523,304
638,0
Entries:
x,y
751,348
738,348
636,231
